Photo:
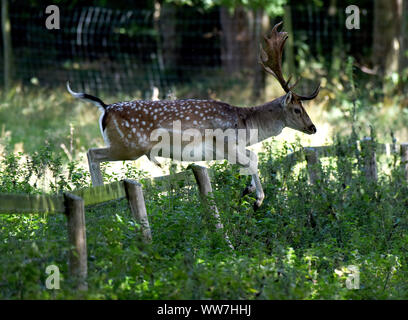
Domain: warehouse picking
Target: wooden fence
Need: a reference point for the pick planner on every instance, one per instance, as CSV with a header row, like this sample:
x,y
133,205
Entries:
x,y
367,148
73,204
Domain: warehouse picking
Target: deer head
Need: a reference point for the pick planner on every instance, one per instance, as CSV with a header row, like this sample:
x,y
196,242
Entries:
x,y
295,115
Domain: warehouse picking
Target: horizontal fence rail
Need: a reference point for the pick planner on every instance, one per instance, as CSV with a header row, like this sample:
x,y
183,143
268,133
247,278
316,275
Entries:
x,y
330,151
28,203
101,194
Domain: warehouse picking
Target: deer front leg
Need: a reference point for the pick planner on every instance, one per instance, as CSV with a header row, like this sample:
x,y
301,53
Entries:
x,y
259,191
249,189
252,169
255,186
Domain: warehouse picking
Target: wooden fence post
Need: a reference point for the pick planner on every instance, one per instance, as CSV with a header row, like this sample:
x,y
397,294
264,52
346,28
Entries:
x,y
75,212
204,187
404,159
370,162
313,165
94,170
134,194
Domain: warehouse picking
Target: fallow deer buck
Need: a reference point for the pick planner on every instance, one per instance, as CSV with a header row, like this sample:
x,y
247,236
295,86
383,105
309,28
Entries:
x,y
128,127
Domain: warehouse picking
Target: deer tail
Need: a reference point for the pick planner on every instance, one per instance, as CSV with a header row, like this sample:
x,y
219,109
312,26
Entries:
x,y
87,97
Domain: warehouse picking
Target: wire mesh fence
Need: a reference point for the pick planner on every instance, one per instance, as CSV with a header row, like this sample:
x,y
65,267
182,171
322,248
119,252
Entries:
x,y
133,51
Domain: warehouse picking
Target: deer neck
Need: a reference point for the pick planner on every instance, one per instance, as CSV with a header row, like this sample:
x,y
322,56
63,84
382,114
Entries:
x,y
268,118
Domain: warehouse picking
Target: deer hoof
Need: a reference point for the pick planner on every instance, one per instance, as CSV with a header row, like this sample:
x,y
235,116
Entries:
x,y
257,204
259,199
249,189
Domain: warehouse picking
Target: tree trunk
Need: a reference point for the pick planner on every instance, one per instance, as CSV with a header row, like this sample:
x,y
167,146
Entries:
x,y
289,50
7,46
242,32
167,25
236,51
261,25
387,20
403,41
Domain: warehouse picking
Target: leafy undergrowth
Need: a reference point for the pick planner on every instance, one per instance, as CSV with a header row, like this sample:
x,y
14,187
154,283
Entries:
x,y
301,244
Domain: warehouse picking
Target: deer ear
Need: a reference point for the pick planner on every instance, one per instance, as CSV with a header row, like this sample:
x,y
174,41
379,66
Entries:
x,y
287,99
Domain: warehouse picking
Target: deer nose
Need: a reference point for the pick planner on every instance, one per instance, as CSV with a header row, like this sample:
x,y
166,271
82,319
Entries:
x,y
312,128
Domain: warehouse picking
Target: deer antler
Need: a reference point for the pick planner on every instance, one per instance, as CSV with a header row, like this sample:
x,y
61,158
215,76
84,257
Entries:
x,y
271,56
312,96
271,60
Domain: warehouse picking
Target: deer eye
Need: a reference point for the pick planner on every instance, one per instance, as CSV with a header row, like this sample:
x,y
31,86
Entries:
x,y
297,111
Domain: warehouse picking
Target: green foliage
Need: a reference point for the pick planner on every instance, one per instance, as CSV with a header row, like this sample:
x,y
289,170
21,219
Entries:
x,y
39,172
298,245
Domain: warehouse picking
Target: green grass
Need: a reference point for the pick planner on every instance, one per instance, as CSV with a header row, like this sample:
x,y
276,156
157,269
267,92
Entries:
x,y
297,246
29,118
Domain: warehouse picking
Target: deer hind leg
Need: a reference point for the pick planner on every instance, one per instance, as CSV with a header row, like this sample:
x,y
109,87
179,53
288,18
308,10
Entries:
x,y
98,155
252,169
95,157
